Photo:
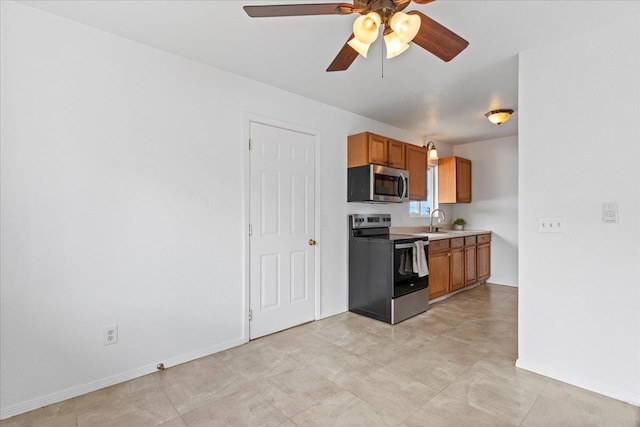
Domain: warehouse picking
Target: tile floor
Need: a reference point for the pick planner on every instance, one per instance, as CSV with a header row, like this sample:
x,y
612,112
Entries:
x,y
450,366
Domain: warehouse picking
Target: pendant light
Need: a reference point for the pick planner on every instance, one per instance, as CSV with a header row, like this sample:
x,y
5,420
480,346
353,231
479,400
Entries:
x,y
431,149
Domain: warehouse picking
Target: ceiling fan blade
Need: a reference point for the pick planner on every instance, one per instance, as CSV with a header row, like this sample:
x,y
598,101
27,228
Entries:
x,y
437,39
423,1
345,57
266,11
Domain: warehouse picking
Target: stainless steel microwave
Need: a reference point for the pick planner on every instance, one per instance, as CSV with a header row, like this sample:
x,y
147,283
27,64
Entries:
x,y
375,183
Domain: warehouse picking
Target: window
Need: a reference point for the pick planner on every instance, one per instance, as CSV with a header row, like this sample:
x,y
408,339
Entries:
x,y
424,208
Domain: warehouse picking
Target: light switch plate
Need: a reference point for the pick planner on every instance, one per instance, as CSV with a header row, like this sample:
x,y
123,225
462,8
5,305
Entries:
x,y
610,212
551,225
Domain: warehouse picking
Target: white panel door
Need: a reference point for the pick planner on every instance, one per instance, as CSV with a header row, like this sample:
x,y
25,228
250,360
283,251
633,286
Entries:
x,y
282,205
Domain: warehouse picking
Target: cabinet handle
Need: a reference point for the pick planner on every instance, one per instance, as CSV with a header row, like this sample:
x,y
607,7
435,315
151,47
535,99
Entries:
x,y
312,242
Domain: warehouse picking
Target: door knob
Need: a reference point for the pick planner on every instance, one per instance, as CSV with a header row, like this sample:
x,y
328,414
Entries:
x,y
312,242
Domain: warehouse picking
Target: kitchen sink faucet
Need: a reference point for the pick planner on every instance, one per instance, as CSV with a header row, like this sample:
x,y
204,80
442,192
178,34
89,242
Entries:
x,y
432,215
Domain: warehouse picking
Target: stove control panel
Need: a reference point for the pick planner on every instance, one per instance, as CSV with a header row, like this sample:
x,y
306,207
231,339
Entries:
x,y
370,220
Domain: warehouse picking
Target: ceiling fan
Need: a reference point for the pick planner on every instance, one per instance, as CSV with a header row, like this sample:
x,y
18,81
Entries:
x,y
399,28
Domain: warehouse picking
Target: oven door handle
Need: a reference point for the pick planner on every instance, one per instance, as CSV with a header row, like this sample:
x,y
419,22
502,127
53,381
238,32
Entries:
x,y
409,245
404,246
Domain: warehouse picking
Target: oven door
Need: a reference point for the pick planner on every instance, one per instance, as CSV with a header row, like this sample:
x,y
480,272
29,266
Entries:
x,y
405,281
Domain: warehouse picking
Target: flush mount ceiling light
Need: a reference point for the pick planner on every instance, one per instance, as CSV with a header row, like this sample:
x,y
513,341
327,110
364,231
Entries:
x,y
399,28
498,117
431,149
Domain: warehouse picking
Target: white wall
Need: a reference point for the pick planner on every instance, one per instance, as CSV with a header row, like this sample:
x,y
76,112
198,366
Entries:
x,y
579,112
495,201
117,206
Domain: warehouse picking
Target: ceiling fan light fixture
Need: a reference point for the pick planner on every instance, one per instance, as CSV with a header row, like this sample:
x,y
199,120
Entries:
x,y
365,27
358,46
405,26
498,117
394,45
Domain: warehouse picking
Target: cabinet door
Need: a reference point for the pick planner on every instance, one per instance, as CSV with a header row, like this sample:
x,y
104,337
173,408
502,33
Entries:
x,y
396,154
484,261
456,265
469,265
463,180
438,274
358,150
417,167
454,180
378,150
447,180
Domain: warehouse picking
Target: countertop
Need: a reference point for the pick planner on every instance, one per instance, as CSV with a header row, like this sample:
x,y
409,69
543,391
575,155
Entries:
x,y
439,235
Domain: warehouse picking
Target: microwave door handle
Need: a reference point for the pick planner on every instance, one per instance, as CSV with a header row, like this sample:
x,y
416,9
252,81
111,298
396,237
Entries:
x,y
402,193
406,187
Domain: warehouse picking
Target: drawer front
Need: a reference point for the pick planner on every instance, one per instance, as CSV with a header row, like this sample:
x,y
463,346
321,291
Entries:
x,y
470,240
458,242
484,238
438,245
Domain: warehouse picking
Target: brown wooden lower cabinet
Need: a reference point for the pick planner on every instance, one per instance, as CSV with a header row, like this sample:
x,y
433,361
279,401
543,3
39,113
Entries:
x,y
483,256
458,262
438,273
456,268
470,273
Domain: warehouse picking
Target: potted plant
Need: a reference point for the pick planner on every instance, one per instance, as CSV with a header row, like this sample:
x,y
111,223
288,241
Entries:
x,y
459,223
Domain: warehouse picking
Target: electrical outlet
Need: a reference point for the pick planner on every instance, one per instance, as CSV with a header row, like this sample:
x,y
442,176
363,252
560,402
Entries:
x,y
551,225
610,212
110,335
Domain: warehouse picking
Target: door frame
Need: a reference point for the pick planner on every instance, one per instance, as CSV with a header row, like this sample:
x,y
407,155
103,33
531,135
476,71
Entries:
x,y
249,118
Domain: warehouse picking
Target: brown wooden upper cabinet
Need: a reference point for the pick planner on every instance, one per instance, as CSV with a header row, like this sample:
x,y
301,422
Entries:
x,y
454,180
397,154
417,167
366,148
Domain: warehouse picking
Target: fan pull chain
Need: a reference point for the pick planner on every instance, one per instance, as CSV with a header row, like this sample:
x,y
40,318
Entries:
x,y
382,61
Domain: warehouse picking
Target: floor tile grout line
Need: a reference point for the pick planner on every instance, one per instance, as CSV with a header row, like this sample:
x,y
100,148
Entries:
x,y
173,405
534,403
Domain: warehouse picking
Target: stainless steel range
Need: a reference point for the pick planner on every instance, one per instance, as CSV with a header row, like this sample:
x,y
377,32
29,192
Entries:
x,y
384,281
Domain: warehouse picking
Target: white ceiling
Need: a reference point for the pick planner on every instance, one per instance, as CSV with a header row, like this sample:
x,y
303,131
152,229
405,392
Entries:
x,y
420,93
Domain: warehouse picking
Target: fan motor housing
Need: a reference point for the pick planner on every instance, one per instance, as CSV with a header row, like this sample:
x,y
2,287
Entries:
x,y
384,8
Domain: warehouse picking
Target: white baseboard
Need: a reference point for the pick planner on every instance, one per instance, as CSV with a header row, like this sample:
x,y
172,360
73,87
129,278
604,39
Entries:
x,y
502,284
606,390
333,313
71,392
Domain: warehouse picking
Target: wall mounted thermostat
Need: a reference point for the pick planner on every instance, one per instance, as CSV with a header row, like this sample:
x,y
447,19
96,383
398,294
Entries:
x,y
610,212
